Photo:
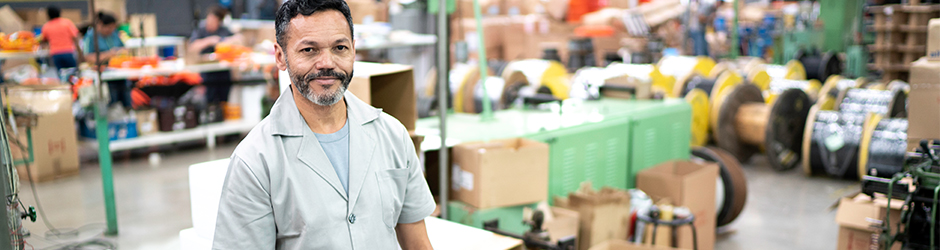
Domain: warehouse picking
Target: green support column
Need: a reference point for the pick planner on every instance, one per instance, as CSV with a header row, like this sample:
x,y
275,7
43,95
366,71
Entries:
x,y
487,113
735,42
104,160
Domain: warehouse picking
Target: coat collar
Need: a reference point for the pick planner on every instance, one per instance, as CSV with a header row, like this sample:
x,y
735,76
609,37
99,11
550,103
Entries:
x,y
289,122
362,138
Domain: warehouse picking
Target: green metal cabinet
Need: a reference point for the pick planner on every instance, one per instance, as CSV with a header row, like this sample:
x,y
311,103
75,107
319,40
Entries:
x,y
657,137
596,152
510,218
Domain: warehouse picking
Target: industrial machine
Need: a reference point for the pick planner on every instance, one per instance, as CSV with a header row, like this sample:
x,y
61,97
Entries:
x,y
918,185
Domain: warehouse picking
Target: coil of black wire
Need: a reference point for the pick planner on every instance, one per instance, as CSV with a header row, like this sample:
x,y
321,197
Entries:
x,y
887,148
699,82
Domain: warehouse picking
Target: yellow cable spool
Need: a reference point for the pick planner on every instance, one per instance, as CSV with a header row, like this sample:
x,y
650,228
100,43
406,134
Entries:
x,y
762,75
777,86
463,79
647,73
719,68
698,99
537,73
662,83
835,84
795,70
724,83
682,68
871,121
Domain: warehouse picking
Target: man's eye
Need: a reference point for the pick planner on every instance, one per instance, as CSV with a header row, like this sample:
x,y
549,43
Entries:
x,y
306,50
341,48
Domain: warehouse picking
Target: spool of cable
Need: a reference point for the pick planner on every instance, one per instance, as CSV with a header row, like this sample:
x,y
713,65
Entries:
x,y
463,79
778,85
683,68
535,73
700,83
698,100
723,85
647,73
731,191
494,87
836,136
762,75
585,84
883,146
819,66
832,88
746,124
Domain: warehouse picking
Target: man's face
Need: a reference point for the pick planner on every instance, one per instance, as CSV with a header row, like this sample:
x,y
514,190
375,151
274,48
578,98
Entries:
x,y
212,23
318,55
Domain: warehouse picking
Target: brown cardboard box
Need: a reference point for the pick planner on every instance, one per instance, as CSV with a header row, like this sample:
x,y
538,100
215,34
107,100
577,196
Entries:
x,y
493,31
686,184
488,8
143,24
526,37
855,217
9,21
624,245
55,147
522,7
604,215
362,10
933,40
118,8
484,172
924,100
389,87
38,17
563,223
147,122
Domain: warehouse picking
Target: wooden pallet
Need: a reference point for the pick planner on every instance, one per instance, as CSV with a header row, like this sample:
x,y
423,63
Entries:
x,y
900,37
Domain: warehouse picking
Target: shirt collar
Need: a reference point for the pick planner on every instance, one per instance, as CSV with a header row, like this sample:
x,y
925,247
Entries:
x,y
289,122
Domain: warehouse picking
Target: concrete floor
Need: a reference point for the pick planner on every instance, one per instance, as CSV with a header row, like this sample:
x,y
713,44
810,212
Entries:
x,y
783,211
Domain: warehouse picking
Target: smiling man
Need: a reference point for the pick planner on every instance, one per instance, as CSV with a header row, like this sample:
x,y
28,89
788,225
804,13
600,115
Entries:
x,y
324,170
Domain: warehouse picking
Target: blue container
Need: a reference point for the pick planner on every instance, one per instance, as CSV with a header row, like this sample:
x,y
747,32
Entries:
x,y
168,51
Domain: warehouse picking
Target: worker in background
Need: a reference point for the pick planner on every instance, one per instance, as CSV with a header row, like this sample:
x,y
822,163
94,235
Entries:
x,y
109,45
203,41
702,14
324,170
62,37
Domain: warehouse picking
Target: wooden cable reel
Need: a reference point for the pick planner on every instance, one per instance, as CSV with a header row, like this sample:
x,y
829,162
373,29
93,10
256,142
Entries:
x,y
763,75
543,75
682,68
746,124
883,147
659,83
835,139
698,100
778,85
732,194
834,85
463,79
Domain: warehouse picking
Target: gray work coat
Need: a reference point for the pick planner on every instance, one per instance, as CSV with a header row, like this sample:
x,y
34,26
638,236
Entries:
x,y
281,191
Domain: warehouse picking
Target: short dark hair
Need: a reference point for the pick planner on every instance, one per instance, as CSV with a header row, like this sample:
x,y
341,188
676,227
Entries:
x,y
106,19
53,12
292,8
218,11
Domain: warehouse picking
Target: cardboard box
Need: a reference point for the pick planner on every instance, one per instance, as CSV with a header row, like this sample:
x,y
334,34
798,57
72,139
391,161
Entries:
x,y
526,37
488,8
604,215
493,36
9,21
363,11
562,223
55,147
147,122
686,184
855,217
500,173
118,8
624,245
38,17
143,25
933,40
389,87
924,101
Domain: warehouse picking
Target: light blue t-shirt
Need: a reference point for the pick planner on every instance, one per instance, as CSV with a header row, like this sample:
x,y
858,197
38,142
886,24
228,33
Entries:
x,y
336,147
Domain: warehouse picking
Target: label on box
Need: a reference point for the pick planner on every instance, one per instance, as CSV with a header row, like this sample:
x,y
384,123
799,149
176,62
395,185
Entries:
x,y
460,179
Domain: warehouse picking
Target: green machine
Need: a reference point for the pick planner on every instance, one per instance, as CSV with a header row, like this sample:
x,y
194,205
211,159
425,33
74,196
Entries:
x,y
606,142
842,28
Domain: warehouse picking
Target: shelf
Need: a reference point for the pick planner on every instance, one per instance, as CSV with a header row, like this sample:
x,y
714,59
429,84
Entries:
x,y
158,41
207,132
23,55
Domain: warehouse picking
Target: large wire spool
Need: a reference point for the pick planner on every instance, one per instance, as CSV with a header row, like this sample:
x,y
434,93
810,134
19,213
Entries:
x,y
883,146
724,83
585,84
683,68
647,73
731,186
463,79
833,86
763,75
747,124
537,74
778,85
835,136
698,99
820,66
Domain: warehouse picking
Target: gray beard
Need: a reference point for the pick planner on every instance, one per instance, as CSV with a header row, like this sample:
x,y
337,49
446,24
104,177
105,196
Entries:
x,y
325,99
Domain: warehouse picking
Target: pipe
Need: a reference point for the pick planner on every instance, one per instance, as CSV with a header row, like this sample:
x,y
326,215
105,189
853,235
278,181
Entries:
x,y
442,102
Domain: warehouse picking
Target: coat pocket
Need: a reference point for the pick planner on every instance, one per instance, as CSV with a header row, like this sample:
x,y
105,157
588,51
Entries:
x,y
392,184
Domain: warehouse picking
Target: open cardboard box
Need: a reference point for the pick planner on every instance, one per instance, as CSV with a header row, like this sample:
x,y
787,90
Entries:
x,y
856,216
686,184
500,173
389,87
624,245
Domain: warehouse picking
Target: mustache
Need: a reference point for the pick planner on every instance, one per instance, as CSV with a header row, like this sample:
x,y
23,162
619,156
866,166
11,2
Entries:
x,y
325,74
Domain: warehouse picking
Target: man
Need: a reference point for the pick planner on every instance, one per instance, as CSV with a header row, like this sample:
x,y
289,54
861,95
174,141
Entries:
x,y
701,18
324,170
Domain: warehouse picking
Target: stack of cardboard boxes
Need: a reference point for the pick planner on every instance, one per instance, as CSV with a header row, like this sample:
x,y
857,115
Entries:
x,y
54,143
924,99
859,219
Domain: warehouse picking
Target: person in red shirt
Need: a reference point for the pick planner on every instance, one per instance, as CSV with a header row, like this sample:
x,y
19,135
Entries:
x,y
62,37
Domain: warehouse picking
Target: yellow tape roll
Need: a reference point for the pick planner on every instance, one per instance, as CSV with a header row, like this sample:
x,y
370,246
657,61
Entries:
x,y
539,73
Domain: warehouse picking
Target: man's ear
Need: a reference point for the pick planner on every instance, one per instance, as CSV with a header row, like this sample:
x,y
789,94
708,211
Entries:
x,y
280,56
